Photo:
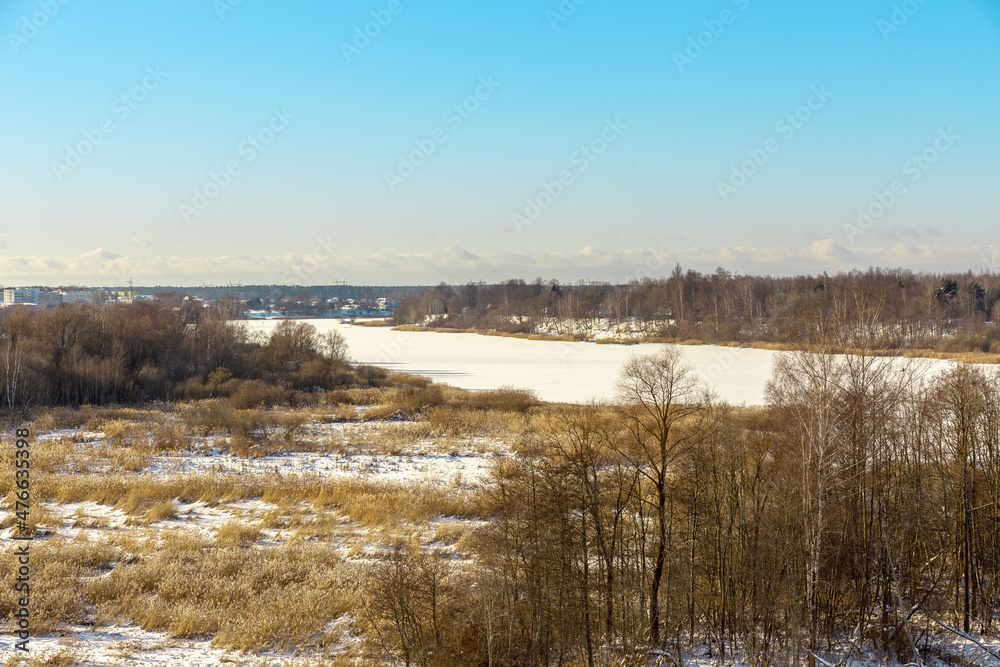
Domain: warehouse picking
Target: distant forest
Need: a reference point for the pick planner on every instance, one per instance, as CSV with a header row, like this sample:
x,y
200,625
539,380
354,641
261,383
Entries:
x,y
943,312
273,292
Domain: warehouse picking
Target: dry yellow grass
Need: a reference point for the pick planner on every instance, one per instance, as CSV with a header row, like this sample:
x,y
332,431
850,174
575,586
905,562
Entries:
x,y
414,327
320,525
459,424
160,512
185,585
387,503
250,598
245,592
965,357
48,457
370,502
909,353
215,415
568,337
61,658
94,417
120,430
58,567
237,533
451,533
345,413
392,439
130,459
565,338
41,521
386,411
628,340
776,346
81,519
354,396
170,439
410,402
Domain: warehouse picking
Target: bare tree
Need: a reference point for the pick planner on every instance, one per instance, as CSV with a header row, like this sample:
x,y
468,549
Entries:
x,y
408,590
14,331
807,387
333,346
658,397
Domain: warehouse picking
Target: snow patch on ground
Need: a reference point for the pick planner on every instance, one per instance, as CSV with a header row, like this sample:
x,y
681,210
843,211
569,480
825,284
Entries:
x,y
424,469
131,646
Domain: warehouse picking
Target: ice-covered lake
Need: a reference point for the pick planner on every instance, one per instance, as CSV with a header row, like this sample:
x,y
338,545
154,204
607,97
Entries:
x,y
555,371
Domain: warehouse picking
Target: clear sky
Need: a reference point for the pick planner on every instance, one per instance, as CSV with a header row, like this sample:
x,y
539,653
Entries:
x,y
406,142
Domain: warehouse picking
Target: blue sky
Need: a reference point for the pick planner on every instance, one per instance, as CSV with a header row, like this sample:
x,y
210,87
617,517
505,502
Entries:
x,y
193,141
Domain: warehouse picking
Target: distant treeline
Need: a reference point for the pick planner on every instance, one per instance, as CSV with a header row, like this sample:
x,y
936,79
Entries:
x,y
912,310
77,355
274,292
263,292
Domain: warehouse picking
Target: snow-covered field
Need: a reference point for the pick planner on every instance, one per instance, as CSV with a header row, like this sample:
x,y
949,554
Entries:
x,y
568,372
339,451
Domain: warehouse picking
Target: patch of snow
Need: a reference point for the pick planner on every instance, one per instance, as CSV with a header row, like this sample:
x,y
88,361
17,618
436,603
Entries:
x,y
120,646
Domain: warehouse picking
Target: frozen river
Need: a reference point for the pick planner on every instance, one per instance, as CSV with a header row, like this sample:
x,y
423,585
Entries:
x,y
555,371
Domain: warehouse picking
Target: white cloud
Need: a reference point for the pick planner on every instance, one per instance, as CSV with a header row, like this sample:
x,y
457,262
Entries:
x,y
455,264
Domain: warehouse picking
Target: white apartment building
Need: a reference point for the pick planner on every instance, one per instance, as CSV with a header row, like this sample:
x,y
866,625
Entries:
x,y
45,298
14,295
75,297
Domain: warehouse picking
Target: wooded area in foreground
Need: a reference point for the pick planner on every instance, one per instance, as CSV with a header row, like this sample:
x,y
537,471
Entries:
x,y
856,515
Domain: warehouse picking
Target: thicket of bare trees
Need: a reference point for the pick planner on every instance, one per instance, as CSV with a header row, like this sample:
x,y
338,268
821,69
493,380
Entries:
x,y
951,313
77,355
857,513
